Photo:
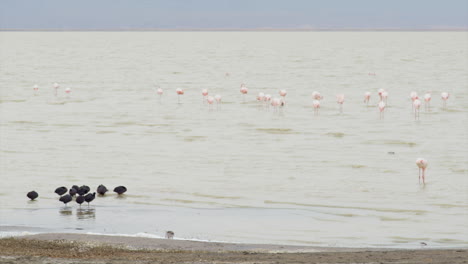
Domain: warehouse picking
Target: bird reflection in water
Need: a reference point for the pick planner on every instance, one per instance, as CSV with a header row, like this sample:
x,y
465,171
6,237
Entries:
x,y
66,211
85,213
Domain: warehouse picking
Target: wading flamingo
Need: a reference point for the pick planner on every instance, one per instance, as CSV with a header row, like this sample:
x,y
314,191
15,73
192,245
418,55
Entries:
x,y
340,101
381,108
210,100
36,89
160,93
445,97
422,165
179,92
67,91
205,94
316,104
316,95
416,105
283,93
367,97
56,86
380,93
427,99
384,96
244,90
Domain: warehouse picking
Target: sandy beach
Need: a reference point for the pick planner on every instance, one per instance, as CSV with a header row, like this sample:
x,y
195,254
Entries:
x,y
77,248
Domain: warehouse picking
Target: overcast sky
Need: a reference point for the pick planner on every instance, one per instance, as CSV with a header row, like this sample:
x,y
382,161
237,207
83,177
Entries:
x,y
168,14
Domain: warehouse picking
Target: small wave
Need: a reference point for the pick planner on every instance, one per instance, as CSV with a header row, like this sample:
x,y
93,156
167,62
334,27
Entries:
x,y
194,138
276,130
15,234
391,142
335,134
357,166
349,207
215,196
13,101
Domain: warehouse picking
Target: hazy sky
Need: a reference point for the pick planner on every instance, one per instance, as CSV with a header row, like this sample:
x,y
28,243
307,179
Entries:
x,y
128,14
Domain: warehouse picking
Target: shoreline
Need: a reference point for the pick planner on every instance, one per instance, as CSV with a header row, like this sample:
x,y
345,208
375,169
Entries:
x,y
68,248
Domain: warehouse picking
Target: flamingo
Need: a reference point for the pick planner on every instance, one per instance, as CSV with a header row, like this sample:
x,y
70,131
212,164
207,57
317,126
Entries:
x,y
276,102
260,96
317,96
445,97
210,100
427,99
367,97
422,165
384,96
316,104
204,93
218,100
340,101
282,93
416,105
56,86
380,92
35,88
244,90
160,93
179,92
381,108
67,91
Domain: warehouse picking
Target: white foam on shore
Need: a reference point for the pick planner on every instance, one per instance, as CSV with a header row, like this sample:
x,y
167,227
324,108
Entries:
x,y
148,235
16,234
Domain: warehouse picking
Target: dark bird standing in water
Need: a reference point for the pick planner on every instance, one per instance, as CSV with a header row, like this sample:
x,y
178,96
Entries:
x,y
120,189
65,199
80,199
83,190
32,195
101,189
61,190
90,197
72,192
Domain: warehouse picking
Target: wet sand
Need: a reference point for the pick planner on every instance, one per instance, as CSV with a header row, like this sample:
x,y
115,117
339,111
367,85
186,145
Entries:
x,y
76,248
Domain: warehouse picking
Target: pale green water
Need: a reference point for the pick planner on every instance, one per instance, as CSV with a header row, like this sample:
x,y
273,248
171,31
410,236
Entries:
x,y
237,172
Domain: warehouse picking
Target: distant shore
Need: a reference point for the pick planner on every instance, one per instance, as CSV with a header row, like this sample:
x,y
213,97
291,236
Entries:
x,y
77,248
238,30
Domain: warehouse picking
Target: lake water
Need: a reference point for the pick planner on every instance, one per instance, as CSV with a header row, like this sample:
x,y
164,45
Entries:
x,y
238,171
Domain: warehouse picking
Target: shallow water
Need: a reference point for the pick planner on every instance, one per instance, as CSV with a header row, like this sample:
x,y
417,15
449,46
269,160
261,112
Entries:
x,y
238,171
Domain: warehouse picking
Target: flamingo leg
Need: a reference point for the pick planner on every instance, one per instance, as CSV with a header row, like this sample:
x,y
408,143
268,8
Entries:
x,y
424,175
419,176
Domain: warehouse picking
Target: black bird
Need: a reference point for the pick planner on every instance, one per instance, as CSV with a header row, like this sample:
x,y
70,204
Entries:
x,y
61,190
83,190
90,197
65,199
72,191
101,189
80,199
32,195
120,189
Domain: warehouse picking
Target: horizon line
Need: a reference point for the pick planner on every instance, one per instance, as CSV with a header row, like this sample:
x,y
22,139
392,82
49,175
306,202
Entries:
x,y
461,29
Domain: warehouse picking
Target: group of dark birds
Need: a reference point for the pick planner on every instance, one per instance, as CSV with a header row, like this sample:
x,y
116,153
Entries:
x,y
82,193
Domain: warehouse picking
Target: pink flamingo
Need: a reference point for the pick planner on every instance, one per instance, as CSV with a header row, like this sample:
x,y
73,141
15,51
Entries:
x,y
380,92
282,93
316,104
427,99
205,94
340,101
276,102
160,92
218,100
416,105
244,90
384,96
317,96
260,96
367,97
413,96
381,108
210,100
179,92
67,91
445,97
56,86
422,165
36,89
